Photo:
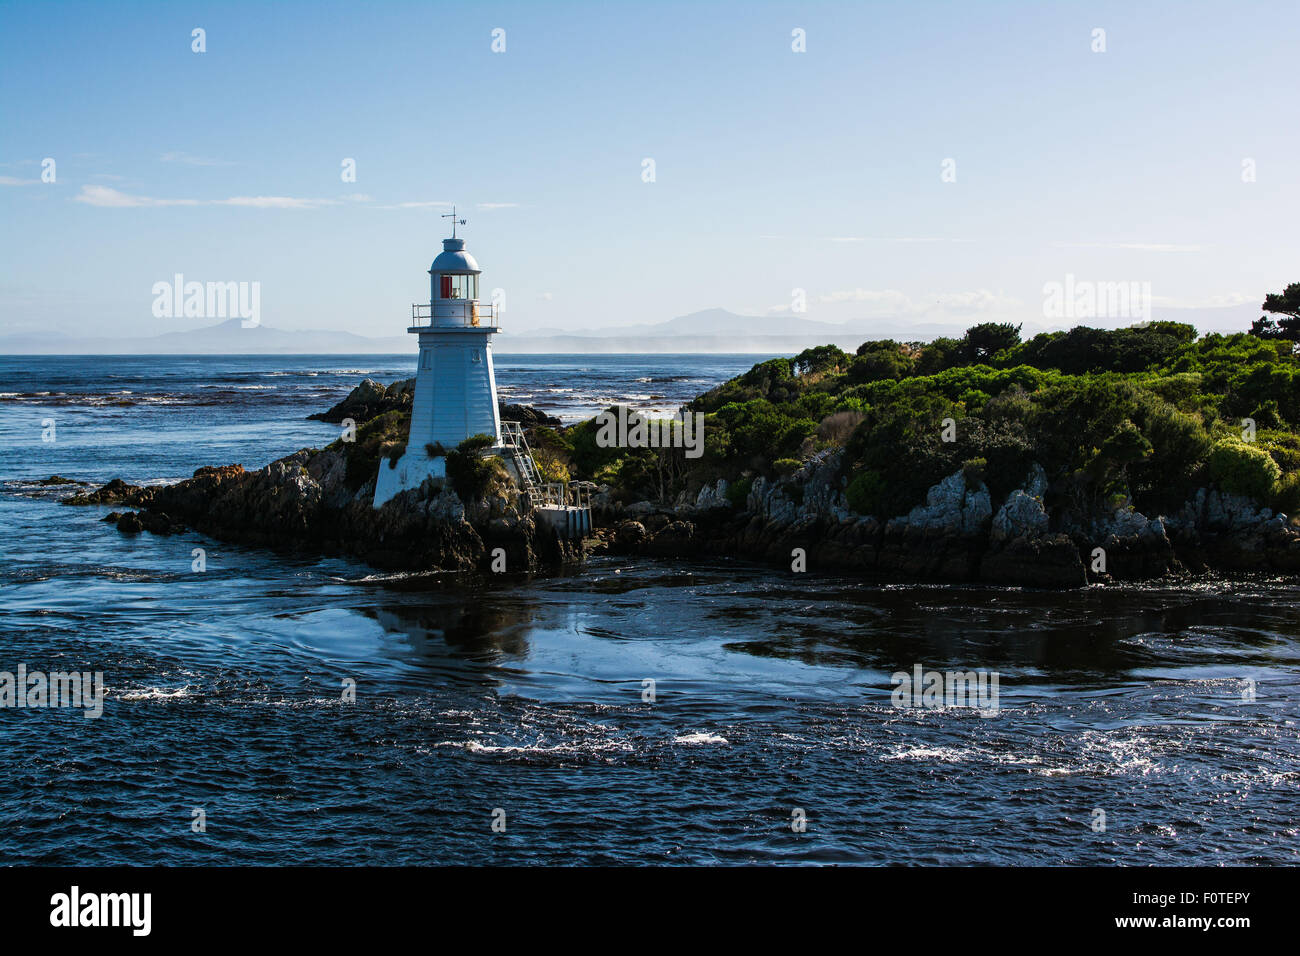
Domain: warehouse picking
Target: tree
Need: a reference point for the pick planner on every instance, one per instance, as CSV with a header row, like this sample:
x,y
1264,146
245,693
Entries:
x,y
822,358
1287,305
942,353
987,339
881,360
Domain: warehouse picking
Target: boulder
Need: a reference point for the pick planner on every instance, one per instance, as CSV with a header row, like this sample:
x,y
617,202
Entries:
x,y
951,507
1021,516
116,492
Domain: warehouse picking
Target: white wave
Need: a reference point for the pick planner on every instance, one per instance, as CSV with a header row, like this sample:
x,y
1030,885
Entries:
x,y
700,738
154,693
945,754
573,748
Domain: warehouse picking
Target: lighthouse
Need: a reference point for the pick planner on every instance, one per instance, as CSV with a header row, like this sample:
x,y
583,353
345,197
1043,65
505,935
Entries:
x,y
455,385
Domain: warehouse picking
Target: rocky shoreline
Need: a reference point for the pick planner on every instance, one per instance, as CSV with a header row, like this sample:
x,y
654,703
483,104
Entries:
x,y
302,503
957,536
310,501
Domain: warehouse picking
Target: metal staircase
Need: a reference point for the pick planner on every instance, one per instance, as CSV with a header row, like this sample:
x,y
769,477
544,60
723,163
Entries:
x,y
512,436
566,509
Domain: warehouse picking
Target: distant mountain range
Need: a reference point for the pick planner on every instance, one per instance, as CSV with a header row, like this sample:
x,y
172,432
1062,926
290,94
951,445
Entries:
x,y
712,330
227,338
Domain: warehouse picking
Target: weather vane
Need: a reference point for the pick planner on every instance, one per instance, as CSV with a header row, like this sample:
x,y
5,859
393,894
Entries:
x,y
454,221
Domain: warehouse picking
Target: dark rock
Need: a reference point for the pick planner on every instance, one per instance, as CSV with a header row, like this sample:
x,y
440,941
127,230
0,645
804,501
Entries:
x,y
1048,561
629,534
159,523
371,399
302,503
528,416
116,492
656,522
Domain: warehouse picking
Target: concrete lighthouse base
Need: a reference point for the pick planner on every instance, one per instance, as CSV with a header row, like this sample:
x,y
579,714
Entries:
x,y
410,472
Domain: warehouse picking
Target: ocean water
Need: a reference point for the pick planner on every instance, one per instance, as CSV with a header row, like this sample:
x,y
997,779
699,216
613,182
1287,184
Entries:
x,y
1173,710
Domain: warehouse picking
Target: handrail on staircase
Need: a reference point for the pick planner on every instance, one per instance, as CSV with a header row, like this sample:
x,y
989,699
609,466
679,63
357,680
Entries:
x,y
560,494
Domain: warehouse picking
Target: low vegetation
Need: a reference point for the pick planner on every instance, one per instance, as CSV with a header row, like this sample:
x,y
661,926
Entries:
x,y
1146,415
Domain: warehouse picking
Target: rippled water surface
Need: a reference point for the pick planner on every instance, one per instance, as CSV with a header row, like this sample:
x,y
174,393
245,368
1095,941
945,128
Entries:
x,y
772,690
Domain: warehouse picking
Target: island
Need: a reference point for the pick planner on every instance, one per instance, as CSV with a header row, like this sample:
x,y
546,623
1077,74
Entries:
x,y
1069,458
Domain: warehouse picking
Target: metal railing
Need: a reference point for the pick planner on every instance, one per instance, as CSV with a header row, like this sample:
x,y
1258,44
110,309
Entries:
x,y
422,313
559,494
555,494
512,436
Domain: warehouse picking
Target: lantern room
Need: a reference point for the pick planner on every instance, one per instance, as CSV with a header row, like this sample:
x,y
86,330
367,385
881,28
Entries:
x,y
454,274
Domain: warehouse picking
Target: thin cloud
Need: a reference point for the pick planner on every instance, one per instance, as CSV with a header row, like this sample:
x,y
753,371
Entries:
x,y
274,202
498,205
1132,246
865,239
14,181
422,204
105,197
189,159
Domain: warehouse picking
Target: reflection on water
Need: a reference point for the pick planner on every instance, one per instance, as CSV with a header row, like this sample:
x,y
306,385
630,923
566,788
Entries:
x,y
771,693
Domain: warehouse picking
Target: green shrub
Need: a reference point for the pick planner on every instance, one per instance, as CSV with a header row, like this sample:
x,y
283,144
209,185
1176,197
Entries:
x,y
1266,414
1242,469
384,436
738,491
467,469
973,470
877,361
1286,495
588,457
867,492
786,466
550,466
1284,449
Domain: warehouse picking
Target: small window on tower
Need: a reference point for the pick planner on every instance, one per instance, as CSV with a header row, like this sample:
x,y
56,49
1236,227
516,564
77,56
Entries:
x,y
426,359
475,356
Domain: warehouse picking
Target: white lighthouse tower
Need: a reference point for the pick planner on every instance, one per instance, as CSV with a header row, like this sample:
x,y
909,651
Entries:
x,y
455,385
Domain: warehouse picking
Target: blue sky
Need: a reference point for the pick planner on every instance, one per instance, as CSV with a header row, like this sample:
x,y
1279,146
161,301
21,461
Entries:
x,y
774,170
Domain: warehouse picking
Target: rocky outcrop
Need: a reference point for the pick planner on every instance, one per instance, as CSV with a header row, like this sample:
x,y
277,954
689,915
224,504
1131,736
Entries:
x,y
116,492
1229,532
309,502
371,399
956,535
302,502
